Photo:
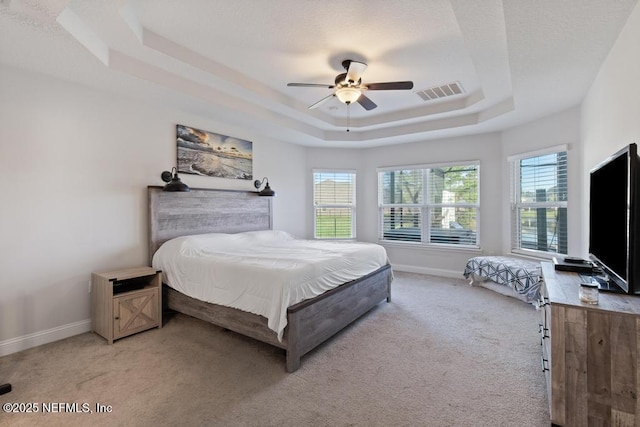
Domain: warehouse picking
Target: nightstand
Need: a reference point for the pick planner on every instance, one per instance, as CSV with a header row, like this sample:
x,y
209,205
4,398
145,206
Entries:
x,y
125,302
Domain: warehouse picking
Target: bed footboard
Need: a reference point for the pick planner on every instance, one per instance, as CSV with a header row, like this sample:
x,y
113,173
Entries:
x,y
312,322
309,323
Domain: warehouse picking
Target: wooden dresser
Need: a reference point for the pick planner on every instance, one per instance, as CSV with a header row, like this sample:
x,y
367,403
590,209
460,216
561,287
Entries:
x,y
590,354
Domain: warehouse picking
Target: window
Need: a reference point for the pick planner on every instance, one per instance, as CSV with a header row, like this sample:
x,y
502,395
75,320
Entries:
x,y
539,204
430,204
334,202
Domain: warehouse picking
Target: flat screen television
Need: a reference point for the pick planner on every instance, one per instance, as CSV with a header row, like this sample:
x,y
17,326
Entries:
x,y
614,220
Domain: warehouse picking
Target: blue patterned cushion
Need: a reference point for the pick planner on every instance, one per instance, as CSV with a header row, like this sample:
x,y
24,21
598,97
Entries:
x,y
520,275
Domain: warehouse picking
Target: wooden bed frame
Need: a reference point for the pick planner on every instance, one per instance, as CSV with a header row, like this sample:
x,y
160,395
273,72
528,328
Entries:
x,y
309,323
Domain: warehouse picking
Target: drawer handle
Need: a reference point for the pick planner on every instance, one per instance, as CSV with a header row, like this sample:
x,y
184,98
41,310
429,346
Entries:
x,y
545,364
543,331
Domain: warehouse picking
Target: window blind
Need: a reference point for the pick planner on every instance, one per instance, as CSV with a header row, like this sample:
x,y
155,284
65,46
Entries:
x,y
401,187
437,204
540,209
334,204
402,191
453,185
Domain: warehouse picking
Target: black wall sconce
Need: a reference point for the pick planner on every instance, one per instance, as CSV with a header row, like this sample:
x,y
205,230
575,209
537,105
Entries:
x,y
173,180
266,191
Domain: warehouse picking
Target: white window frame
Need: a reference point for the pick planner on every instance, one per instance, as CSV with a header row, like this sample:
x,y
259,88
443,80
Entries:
x,y
516,205
351,206
426,207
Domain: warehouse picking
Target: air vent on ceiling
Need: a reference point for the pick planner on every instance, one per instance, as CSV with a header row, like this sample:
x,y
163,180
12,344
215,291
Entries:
x,y
443,91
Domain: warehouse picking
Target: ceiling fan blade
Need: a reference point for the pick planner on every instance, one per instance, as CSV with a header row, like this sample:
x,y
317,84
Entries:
x,y
310,85
366,103
390,86
355,71
322,101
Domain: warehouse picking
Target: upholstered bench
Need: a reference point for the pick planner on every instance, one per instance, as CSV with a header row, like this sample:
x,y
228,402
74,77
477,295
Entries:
x,y
508,275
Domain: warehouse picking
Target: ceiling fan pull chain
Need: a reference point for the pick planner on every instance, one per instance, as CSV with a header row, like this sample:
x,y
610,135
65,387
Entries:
x,y
348,115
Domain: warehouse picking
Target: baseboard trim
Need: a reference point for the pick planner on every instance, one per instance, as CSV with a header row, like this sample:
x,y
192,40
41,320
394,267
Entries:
x,y
25,342
426,270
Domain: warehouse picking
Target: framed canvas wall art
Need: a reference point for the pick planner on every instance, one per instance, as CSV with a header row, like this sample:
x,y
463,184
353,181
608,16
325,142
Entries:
x,y
210,154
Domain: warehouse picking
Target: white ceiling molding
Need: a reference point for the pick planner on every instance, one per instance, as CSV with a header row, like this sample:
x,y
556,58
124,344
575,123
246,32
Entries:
x,y
516,60
84,34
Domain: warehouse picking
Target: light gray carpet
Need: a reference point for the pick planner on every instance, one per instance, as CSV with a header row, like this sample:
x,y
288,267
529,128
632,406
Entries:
x,y
441,353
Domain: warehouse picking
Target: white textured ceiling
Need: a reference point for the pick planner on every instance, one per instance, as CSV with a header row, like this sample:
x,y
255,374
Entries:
x,y
231,60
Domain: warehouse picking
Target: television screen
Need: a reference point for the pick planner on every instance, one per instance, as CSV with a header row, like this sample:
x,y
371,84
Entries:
x,y
610,215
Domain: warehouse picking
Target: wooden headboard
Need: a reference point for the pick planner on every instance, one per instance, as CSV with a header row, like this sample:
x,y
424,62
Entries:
x,y
174,214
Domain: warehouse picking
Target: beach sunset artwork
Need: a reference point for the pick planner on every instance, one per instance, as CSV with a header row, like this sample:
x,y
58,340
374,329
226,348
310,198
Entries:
x,y
211,154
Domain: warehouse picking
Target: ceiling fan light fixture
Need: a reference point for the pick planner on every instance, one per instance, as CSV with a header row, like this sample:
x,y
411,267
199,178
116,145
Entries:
x,y
348,86
348,94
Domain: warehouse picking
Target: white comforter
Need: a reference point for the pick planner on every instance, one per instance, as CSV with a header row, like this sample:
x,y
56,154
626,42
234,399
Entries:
x,y
262,272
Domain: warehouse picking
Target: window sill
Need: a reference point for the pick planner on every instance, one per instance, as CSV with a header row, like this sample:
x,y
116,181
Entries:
x,y
428,247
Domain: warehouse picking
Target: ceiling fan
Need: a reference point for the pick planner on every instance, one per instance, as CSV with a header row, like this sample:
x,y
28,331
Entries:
x,y
349,87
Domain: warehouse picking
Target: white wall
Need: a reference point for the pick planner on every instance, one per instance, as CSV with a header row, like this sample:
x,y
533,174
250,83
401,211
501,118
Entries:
x,y
610,115
77,163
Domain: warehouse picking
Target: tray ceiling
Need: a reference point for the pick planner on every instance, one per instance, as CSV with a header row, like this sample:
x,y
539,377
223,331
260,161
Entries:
x,y
513,61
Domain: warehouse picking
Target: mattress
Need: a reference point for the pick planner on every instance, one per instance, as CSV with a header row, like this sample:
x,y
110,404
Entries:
x,y
262,272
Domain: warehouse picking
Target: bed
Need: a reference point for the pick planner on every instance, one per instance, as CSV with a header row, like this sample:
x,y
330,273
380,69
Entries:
x,y
300,323
509,276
